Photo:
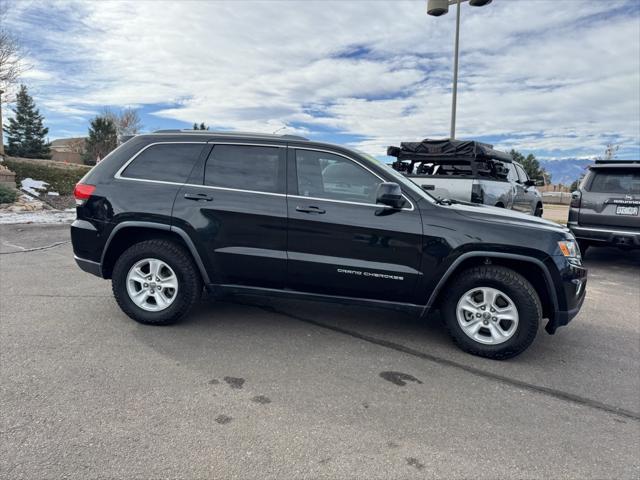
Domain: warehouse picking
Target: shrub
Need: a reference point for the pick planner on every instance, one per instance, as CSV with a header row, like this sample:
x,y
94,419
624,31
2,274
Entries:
x,y
61,177
7,194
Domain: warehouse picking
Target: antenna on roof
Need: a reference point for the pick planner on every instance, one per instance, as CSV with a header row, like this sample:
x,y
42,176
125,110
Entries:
x,y
278,129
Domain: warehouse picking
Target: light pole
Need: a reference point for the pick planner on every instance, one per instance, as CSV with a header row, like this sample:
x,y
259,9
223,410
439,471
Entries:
x,y
437,8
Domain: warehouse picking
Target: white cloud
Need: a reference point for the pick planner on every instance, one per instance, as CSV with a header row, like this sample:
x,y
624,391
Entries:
x,y
565,73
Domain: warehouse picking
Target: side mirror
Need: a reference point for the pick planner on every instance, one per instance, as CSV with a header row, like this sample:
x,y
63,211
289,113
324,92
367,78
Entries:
x,y
390,193
540,183
530,183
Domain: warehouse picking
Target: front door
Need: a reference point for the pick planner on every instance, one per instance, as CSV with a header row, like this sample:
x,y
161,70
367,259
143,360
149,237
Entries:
x,y
526,197
235,208
341,242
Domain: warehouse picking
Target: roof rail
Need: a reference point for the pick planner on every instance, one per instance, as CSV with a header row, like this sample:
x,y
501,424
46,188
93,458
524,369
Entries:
x,y
616,161
234,134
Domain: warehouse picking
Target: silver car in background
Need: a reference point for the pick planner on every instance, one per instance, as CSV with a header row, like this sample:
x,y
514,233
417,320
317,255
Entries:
x,y
468,171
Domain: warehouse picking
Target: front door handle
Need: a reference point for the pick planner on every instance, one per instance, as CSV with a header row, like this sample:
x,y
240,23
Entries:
x,y
198,196
310,209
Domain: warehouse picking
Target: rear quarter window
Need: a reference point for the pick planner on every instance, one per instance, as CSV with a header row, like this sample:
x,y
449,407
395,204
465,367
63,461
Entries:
x,y
626,182
168,162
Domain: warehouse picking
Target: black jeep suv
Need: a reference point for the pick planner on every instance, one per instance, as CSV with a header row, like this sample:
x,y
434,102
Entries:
x,y
169,212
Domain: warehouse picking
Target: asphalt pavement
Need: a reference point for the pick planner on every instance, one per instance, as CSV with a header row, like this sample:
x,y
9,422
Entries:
x,y
259,388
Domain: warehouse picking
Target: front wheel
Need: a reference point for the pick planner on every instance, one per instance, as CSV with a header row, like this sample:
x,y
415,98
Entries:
x,y
583,245
492,312
155,282
538,211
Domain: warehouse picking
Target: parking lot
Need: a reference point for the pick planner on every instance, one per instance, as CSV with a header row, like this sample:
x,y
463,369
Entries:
x,y
287,389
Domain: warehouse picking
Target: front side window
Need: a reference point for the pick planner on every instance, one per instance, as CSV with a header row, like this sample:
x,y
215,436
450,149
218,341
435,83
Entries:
x,y
616,181
245,167
522,174
512,175
324,175
165,162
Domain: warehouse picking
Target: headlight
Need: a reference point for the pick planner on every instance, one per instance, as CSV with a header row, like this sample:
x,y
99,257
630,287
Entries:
x,y
569,248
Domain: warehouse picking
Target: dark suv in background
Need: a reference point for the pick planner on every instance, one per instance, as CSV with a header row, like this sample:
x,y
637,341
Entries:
x,y
166,213
605,210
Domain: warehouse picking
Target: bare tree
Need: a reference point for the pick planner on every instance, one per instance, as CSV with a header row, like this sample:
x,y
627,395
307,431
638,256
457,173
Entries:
x,y
127,121
11,64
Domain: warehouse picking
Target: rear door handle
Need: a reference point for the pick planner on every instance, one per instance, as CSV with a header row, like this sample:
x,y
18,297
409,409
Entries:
x,y
310,209
198,196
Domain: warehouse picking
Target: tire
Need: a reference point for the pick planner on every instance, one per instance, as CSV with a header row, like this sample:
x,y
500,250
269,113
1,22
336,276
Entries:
x,y
184,274
514,289
538,211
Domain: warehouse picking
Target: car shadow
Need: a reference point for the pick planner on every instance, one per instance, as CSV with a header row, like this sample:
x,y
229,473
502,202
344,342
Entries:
x,y
605,256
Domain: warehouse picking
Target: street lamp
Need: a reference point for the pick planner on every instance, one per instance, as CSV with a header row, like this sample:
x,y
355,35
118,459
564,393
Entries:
x,y
437,8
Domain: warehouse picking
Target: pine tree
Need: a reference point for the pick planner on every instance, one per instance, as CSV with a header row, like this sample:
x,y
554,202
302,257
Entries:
x,y
103,138
531,165
26,136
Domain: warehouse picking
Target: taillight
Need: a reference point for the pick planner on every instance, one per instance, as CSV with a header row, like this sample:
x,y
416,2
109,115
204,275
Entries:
x,y
82,192
576,198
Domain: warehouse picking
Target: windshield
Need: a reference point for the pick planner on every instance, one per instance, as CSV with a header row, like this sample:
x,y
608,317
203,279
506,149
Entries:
x,y
616,182
401,179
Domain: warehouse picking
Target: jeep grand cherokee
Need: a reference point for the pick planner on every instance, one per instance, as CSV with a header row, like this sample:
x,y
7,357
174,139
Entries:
x,y
167,213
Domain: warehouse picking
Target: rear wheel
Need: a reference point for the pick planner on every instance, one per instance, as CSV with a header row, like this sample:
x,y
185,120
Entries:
x,y
492,311
538,211
155,282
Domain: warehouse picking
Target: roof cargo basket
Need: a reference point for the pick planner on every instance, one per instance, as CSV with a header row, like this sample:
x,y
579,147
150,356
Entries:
x,y
447,148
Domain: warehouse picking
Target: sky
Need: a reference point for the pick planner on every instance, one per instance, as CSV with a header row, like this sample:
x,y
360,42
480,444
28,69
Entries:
x,y
560,79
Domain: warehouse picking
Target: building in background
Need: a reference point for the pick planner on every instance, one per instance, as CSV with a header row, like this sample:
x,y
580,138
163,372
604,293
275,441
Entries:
x,y
68,150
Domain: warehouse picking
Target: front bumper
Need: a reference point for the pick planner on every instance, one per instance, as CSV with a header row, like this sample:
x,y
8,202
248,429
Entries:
x,y
571,292
606,235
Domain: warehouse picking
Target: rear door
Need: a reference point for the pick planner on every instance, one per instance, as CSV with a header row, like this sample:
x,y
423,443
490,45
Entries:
x,y
234,205
611,197
340,242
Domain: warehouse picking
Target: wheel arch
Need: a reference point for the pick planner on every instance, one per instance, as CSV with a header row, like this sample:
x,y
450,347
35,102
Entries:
x,y
128,233
539,277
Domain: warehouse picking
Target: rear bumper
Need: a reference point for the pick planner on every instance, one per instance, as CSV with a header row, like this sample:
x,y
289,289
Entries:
x,y
89,266
610,236
87,243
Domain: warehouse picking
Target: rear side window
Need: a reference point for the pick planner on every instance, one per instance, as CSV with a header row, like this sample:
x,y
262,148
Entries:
x,y
168,162
615,181
245,167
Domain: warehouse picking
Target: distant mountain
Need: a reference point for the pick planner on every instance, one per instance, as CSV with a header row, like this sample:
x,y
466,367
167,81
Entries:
x,y
565,171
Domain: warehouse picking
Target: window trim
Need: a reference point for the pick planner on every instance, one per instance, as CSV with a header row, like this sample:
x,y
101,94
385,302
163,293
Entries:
x,y
118,174
377,205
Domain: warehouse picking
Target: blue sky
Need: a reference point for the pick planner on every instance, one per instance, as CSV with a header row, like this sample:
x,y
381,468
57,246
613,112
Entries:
x,y
559,79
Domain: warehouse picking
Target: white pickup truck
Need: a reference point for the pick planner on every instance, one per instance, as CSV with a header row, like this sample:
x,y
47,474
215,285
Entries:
x,y
468,171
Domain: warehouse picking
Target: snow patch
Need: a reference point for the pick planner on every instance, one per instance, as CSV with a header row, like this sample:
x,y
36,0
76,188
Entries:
x,y
34,187
46,216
